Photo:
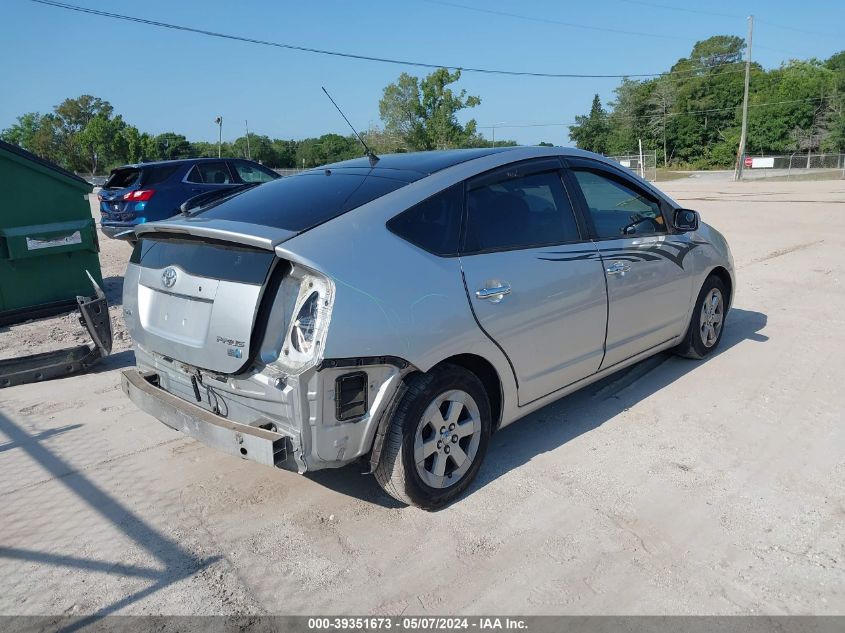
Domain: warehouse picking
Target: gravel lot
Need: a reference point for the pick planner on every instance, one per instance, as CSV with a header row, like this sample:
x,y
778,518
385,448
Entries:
x,y
676,487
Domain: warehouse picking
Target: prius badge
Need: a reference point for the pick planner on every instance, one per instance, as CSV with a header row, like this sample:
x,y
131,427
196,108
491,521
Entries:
x,y
168,277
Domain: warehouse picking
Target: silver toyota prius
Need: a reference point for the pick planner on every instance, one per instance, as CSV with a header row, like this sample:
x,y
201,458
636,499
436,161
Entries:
x,y
399,310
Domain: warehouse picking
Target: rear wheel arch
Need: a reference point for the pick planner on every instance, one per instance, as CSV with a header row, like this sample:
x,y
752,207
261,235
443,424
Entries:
x,y
488,376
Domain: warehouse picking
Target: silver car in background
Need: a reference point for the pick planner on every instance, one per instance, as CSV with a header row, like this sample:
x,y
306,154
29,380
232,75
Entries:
x,y
400,310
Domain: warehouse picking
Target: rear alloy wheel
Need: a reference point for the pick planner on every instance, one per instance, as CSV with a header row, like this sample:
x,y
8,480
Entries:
x,y
447,438
708,320
437,438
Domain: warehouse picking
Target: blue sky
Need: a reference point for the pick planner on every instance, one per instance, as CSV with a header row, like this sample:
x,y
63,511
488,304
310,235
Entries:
x,y
162,80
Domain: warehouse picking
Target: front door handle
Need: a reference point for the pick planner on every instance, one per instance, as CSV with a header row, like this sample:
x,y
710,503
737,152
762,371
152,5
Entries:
x,y
494,294
617,268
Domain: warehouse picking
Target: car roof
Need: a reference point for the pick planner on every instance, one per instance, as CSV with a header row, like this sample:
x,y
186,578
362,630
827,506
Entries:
x,y
423,163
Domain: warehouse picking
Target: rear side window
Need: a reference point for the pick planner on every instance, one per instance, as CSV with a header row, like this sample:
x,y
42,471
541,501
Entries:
x,y
194,175
123,178
214,173
297,203
521,212
434,224
158,174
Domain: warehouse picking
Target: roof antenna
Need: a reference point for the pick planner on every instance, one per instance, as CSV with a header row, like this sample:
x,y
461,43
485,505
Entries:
x,y
373,158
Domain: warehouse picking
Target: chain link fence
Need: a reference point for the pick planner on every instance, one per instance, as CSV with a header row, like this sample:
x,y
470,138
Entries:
x,y
797,166
647,168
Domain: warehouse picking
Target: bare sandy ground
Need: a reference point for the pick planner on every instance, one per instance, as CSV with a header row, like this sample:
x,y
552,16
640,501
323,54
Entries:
x,y
676,487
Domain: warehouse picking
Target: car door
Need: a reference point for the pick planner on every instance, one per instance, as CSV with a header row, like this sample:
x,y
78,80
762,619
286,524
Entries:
x,y
648,285
535,283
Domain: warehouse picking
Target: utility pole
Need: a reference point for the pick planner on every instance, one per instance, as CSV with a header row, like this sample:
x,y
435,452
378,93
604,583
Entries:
x,y
740,157
642,167
248,153
219,122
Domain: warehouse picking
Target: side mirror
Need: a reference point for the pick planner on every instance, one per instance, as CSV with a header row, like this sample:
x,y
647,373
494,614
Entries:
x,y
686,220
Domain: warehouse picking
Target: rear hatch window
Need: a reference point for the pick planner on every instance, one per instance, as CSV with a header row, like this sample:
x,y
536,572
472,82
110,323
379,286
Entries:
x,y
196,300
123,178
298,203
204,258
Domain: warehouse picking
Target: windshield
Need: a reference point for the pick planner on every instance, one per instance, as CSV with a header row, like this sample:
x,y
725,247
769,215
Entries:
x,y
298,203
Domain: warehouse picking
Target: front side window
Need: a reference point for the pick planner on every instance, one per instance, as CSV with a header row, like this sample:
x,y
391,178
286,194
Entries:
x,y
214,173
618,210
520,212
253,173
434,224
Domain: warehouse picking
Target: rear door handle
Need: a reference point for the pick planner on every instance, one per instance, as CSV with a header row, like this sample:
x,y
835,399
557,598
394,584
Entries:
x,y
494,294
617,268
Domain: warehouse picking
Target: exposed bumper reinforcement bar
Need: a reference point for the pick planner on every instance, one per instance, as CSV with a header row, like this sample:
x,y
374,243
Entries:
x,y
240,440
73,360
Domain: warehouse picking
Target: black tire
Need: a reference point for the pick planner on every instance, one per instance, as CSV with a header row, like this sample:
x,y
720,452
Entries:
x,y
694,345
397,472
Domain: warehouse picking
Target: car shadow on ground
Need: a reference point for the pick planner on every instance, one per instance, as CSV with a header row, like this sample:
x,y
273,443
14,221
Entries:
x,y
171,562
118,360
563,420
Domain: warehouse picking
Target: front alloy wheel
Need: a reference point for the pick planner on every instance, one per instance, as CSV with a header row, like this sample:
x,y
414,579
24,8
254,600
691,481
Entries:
x,y
708,319
712,315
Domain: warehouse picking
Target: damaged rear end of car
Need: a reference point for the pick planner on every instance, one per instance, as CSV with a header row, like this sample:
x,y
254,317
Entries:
x,y
230,330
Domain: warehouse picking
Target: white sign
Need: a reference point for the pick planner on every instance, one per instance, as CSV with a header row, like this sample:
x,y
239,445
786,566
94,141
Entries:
x,y
33,244
760,162
625,163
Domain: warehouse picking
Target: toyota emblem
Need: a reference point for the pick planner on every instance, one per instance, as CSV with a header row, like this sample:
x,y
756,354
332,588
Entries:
x,y
168,277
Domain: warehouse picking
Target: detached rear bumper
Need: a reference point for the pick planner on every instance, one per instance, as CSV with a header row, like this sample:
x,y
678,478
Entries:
x,y
241,440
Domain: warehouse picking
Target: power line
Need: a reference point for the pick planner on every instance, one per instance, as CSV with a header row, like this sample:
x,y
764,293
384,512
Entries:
x,y
684,9
659,114
307,49
552,21
579,26
799,30
668,7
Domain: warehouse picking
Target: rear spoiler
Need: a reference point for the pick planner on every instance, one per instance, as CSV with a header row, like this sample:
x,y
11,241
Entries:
x,y
73,360
255,235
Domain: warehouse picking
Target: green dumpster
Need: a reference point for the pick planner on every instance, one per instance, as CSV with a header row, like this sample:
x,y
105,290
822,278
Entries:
x,y
48,238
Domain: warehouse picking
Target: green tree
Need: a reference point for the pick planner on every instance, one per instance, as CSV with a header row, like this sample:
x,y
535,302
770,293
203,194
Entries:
x,y
102,142
423,113
716,51
140,146
70,118
591,132
171,146
35,132
285,151
329,148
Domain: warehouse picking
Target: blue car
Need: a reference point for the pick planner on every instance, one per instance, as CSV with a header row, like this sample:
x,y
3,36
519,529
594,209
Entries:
x,y
146,192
